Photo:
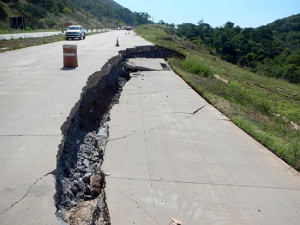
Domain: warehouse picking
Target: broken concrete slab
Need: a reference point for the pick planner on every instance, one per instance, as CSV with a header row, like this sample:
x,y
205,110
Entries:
x,y
147,64
85,134
199,167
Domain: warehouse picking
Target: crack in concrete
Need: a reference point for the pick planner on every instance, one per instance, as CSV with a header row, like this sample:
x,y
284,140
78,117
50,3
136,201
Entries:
x,y
196,111
140,205
158,127
79,176
85,135
191,113
123,137
206,183
27,192
176,122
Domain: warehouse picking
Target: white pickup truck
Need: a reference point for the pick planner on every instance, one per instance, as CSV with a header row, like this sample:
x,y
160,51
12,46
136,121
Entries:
x,y
75,31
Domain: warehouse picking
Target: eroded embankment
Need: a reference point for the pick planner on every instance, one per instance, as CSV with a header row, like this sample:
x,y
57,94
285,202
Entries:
x,y
80,182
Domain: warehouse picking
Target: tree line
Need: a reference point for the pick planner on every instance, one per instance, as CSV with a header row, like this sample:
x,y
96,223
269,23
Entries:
x,y
271,50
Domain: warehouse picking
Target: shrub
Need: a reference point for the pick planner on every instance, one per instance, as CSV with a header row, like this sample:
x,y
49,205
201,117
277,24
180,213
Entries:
x,y
192,65
67,11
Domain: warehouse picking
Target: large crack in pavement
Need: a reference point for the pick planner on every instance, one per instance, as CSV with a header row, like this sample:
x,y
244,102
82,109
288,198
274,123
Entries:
x,y
80,183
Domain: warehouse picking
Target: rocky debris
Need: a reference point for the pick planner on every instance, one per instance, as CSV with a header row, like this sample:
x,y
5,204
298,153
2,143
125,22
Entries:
x,y
96,184
81,214
84,181
86,213
85,133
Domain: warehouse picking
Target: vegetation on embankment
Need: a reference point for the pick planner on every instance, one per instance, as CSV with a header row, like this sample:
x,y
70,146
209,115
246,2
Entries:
x,y
47,14
272,50
266,108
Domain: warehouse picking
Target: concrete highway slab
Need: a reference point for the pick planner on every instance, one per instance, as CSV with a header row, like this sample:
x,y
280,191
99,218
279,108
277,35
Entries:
x,y
36,96
170,154
144,64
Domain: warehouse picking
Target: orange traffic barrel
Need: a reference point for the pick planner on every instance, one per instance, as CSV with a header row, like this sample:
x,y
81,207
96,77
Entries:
x,y
70,55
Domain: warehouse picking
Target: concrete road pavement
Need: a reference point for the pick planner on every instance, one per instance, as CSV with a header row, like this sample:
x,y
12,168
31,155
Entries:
x,y
172,155
169,155
36,96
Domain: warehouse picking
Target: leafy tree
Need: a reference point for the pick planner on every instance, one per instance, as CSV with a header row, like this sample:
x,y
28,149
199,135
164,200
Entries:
x,y
188,30
67,10
51,5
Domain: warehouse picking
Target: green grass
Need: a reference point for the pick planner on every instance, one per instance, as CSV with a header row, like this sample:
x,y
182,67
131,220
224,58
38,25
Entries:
x,y
262,106
192,65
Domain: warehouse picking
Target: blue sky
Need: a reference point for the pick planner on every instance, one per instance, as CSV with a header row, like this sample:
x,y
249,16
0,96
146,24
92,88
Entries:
x,y
245,13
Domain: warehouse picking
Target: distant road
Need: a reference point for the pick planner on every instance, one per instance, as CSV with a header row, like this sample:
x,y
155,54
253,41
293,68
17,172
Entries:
x,y
27,35
38,34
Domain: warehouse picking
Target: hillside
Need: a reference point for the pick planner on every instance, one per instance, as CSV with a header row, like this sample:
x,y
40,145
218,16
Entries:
x,y
272,50
45,14
266,108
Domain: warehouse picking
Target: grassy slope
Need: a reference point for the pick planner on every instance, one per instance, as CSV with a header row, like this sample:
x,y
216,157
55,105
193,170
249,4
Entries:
x,y
263,107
